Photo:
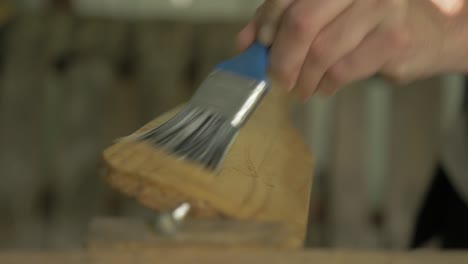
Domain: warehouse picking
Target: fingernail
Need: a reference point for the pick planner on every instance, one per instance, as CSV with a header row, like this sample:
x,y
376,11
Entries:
x,y
283,85
241,40
265,35
304,96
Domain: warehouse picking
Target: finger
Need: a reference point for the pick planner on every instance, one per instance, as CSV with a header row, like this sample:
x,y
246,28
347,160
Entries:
x,y
336,40
366,60
270,18
303,20
247,36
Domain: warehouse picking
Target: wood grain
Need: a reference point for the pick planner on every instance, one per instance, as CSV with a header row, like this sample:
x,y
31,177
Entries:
x,y
266,176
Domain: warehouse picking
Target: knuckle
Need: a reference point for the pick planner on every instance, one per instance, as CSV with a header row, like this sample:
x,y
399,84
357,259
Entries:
x,y
319,50
385,3
282,73
384,7
390,4
398,38
315,53
297,21
378,4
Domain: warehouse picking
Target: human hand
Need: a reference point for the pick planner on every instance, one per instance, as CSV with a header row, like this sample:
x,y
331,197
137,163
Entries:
x,y
323,45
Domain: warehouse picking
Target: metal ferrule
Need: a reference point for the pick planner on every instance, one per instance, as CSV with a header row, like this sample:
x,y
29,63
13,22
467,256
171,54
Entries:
x,y
231,95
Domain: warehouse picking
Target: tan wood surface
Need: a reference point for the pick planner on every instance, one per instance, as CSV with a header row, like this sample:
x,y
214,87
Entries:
x,y
175,256
266,176
125,233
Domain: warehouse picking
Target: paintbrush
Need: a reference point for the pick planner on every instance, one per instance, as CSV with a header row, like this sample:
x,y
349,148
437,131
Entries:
x,y
197,138
205,129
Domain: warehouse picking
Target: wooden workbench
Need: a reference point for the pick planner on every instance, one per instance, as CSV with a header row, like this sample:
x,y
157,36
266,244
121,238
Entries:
x,y
232,256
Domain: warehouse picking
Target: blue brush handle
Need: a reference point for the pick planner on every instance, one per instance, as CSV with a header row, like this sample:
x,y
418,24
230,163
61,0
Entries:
x,y
253,63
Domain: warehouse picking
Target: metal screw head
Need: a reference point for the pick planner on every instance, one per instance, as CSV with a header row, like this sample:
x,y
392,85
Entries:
x,y
169,223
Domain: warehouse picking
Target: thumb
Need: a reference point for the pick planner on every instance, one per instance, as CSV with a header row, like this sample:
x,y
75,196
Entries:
x,y
269,19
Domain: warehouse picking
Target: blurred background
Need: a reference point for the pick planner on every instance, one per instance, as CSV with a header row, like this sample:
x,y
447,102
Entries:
x,y
76,74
